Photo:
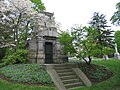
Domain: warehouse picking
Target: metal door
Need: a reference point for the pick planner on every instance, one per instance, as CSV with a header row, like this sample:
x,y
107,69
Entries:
x,y
48,52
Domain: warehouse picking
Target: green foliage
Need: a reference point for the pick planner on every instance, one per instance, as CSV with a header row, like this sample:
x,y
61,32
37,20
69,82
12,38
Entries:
x,y
107,50
2,53
98,74
38,5
95,73
116,16
27,73
21,45
109,84
112,83
93,40
2,65
104,38
66,40
84,42
117,39
20,56
9,51
5,85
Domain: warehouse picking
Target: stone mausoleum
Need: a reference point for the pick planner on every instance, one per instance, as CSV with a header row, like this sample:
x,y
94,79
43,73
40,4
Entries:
x,y
45,48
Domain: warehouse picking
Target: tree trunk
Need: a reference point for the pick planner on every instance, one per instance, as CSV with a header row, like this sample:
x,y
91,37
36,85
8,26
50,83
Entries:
x,y
88,61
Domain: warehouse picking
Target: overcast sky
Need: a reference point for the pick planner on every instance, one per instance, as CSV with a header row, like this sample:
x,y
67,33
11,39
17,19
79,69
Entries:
x,y
70,12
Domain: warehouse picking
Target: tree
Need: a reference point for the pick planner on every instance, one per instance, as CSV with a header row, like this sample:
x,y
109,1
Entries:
x,y
84,42
104,39
116,16
117,39
14,20
66,40
17,21
38,5
5,34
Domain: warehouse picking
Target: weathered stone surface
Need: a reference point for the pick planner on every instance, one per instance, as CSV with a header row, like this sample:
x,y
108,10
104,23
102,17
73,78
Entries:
x,y
46,32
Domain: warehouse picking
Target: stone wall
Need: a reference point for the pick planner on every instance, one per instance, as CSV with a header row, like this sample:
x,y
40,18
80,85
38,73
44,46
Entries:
x,y
46,32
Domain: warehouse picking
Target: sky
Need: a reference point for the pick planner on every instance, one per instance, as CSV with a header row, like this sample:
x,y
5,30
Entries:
x,y
70,12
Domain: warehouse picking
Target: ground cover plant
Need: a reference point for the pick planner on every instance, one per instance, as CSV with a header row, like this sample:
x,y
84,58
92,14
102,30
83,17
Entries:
x,y
96,73
101,77
113,83
26,73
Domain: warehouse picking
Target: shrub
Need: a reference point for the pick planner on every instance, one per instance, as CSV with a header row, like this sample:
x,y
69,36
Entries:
x,y
2,65
20,56
2,53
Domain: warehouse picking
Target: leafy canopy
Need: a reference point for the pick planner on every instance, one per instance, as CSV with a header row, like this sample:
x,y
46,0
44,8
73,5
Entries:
x,y
104,39
38,5
84,42
116,16
66,40
117,39
94,40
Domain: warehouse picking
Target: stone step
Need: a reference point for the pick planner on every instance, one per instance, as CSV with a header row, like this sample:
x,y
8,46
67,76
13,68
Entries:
x,y
73,85
62,65
66,73
73,88
61,68
68,77
70,81
64,70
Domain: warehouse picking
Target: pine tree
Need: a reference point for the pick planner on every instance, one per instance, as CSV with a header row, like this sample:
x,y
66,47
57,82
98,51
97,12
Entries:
x,y
104,39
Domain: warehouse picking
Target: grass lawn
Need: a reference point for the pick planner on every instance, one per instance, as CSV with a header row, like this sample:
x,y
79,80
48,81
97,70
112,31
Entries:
x,y
4,85
111,84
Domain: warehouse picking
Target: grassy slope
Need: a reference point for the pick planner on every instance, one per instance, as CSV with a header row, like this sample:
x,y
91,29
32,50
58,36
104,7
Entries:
x,y
25,70
111,84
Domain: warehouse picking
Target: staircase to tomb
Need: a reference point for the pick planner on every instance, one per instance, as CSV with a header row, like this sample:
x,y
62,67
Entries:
x,y
67,77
